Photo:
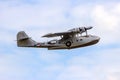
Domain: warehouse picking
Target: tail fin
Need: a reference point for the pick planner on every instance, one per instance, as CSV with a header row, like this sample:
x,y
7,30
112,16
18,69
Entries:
x,y
24,41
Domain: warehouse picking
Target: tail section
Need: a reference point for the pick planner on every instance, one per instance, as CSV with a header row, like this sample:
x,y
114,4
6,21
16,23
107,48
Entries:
x,y
24,41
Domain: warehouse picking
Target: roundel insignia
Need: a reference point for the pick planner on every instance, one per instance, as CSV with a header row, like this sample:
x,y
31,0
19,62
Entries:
x,y
38,44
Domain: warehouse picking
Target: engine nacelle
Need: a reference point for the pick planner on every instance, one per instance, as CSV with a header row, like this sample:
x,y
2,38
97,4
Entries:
x,y
80,29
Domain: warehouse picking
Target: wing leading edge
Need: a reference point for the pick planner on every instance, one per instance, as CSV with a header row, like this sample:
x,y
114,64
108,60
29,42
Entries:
x,y
69,32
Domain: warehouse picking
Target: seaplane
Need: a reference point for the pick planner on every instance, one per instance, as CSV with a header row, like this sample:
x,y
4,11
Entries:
x,y
70,39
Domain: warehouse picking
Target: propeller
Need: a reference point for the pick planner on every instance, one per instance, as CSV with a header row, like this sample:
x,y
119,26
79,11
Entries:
x,y
84,29
88,28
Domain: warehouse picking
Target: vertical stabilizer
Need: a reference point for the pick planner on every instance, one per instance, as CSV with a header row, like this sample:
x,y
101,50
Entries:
x,y
24,41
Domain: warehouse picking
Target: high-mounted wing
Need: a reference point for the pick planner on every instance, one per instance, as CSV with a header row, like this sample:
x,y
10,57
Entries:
x,y
59,34
69,32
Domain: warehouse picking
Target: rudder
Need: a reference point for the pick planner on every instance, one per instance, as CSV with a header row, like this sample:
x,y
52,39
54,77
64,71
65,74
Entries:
x,y
23,40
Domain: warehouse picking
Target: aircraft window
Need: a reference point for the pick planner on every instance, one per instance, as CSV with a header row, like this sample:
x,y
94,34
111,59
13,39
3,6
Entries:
x,y
77,40
80,39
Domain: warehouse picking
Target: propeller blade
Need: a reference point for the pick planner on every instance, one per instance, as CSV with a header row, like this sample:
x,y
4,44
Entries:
x,y
87,28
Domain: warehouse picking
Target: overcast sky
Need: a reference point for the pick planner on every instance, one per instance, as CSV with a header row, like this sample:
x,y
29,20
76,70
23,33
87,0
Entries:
x,y
38,17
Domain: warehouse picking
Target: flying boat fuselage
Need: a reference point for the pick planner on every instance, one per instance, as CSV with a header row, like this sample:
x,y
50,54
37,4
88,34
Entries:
x,y
74,42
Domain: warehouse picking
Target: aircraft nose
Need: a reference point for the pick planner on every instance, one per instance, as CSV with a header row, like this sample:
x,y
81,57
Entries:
x,y
97,38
